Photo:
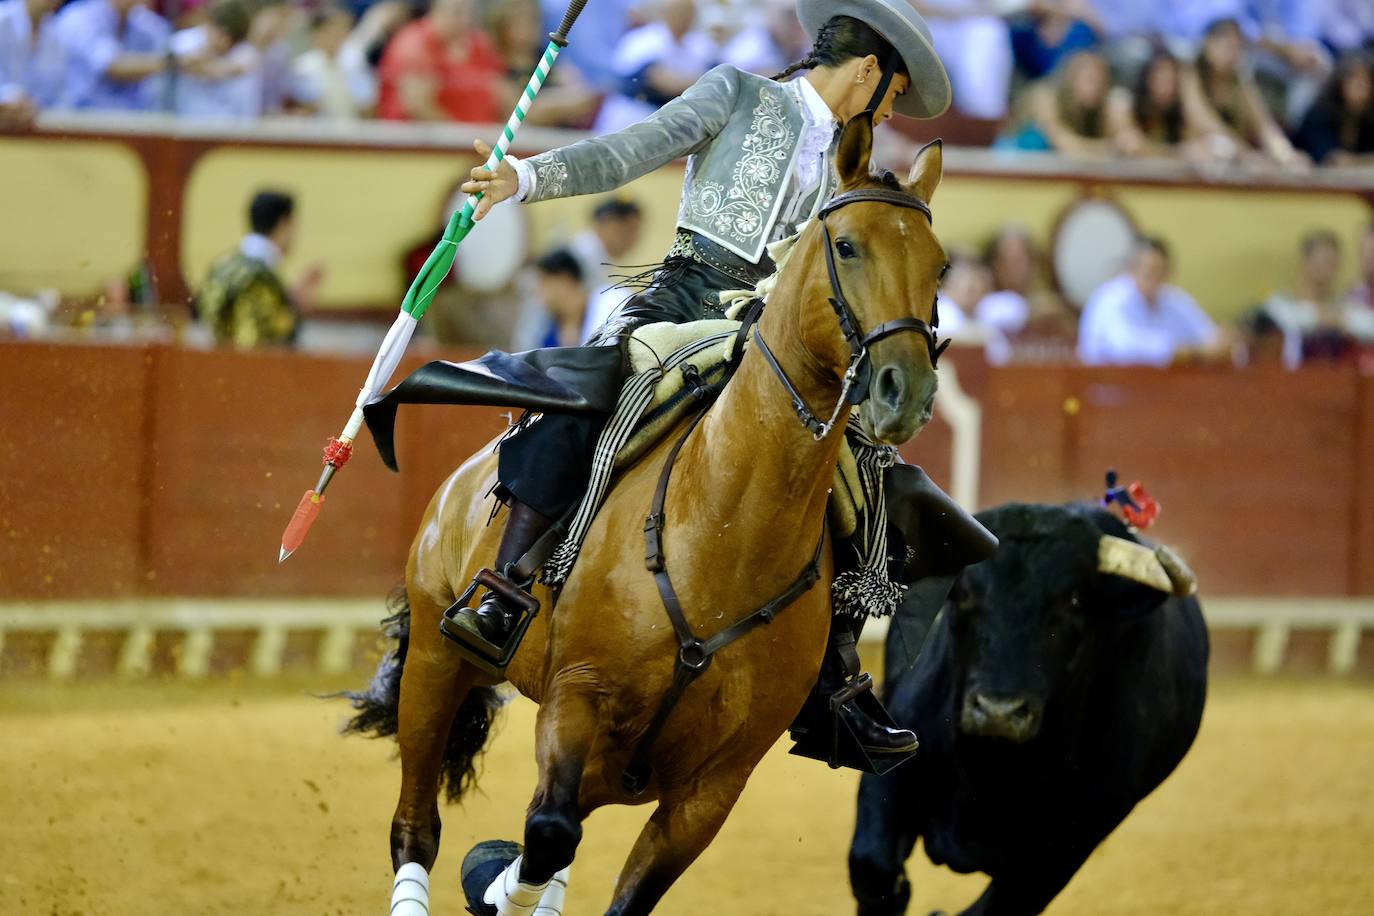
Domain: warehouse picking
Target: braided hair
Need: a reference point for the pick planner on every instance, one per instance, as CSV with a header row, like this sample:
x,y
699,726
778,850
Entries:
x,y
842,38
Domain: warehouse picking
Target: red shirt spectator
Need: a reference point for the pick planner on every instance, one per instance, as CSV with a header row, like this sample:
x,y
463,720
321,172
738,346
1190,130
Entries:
x,y
441,68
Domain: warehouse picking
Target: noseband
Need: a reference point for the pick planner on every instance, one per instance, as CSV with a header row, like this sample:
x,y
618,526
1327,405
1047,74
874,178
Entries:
x,y
858,377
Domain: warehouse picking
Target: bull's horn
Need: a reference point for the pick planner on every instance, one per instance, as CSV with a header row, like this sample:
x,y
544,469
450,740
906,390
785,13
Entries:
x,y
1157,567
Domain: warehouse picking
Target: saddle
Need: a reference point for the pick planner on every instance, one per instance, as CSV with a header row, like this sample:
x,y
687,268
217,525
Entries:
x,y
673,400
674,362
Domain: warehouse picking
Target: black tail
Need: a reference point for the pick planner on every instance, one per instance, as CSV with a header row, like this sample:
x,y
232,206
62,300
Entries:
x,y
378,706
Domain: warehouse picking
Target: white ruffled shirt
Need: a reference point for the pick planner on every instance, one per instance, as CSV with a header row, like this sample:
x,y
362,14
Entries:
x,y
813,153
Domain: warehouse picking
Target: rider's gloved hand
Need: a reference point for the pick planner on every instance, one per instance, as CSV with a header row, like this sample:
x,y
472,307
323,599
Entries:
x,y
494,187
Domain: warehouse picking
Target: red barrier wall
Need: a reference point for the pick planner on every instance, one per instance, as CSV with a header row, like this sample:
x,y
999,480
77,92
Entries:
x,y
159,471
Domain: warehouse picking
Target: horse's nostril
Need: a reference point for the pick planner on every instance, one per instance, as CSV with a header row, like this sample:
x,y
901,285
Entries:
x,y
890,387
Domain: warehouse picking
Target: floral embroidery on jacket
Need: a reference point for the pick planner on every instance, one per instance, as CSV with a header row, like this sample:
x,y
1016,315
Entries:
x,y
551,174
742,210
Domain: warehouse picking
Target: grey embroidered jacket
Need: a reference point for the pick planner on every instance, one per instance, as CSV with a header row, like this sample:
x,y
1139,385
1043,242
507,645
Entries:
x,y
740,133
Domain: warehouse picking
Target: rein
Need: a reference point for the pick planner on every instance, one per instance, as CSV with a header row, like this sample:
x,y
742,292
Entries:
x,y
854,386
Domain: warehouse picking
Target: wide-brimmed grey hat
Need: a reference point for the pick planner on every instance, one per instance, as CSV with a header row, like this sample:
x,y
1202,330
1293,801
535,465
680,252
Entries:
x,y
898,22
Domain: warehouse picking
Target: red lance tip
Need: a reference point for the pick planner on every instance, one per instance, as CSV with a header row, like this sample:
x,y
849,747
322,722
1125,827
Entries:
x,y
304,517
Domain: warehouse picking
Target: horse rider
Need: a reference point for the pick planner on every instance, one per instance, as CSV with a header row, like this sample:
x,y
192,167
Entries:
x,y
761,164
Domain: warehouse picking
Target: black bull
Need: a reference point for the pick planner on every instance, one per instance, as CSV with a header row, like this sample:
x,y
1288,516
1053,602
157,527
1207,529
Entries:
x,y
1049,698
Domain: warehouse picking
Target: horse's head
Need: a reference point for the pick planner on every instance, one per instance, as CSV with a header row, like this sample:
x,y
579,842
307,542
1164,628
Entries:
x,y
874,255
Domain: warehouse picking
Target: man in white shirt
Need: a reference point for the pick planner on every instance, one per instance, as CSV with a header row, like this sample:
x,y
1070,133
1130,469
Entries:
x,y
1138,319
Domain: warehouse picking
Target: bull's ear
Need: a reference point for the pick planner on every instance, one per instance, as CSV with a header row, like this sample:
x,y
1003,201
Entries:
x,y
927,171
855,152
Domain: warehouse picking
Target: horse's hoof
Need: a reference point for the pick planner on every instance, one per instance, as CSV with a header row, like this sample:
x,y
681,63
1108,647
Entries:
x,y
481,865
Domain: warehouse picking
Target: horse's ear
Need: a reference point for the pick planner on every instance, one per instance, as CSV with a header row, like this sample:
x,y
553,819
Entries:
x,y
927,170
855,151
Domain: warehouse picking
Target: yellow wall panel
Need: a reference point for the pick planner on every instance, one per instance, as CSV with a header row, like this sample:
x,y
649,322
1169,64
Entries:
x,y
356,212
72,215
1233,248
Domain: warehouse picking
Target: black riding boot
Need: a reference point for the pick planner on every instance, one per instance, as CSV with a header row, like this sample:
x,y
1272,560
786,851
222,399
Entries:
x,y
838,667
492,620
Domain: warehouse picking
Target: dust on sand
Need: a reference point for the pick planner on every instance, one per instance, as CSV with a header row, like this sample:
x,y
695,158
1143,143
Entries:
x,y
240,798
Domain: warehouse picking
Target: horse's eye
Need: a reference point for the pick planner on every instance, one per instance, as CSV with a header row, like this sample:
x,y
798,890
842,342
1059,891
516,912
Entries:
x,y
845,249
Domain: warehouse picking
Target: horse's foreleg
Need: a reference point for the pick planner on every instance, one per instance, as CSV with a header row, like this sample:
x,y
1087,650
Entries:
x,y
433,685
569,723
682,826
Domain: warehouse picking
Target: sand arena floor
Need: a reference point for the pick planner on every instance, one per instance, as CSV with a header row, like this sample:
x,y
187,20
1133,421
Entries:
x,y
239,798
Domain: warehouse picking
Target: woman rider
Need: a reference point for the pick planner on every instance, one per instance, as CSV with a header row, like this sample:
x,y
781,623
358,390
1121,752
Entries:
x,y
761,164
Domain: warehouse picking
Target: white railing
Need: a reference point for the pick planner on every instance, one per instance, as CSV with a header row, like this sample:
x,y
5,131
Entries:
x,y
197,622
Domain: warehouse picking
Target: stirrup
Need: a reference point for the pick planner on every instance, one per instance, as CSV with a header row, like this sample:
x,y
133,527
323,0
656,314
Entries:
x,y
490,658
820,733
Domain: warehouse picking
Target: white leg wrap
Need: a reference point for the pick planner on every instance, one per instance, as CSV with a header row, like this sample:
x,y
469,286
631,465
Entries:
x,y
551,904
511,896
410,891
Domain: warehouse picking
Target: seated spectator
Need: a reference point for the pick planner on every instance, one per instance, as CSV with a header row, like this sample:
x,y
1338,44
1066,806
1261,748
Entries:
x,y
1019,301
115,51
244,301
1048,32
31,61
1339,130
1069,113
965,284
616,228
333,79
1151,119
216,71
972,39
1316,321
1138,319
441,68
1221,95
563,303
656,63
770,42
566,100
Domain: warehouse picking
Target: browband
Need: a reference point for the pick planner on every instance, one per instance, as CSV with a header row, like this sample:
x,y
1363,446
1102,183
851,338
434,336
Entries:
x,y
877,196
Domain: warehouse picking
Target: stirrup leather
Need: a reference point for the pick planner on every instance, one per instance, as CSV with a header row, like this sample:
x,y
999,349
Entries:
x,y
490,658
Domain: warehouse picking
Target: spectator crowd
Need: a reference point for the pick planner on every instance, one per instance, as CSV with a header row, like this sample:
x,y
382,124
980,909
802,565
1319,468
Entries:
x,y
1282,83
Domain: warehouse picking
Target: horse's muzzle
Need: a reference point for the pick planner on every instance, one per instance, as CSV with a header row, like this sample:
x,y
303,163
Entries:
x,y
900,403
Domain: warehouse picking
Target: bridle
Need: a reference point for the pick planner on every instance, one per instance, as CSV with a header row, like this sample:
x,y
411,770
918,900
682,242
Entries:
x,y
858,376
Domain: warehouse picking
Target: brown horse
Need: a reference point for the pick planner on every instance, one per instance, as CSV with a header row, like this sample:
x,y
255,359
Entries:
x,y
746,506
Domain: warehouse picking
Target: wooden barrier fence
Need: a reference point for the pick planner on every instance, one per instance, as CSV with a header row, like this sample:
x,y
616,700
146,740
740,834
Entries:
x,y
154,471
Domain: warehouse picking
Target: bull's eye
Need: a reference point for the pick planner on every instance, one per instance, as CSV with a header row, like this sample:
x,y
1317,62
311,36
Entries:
x,y
845,250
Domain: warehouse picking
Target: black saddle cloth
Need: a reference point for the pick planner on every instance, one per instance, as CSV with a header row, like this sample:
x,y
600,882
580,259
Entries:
x,y
560,379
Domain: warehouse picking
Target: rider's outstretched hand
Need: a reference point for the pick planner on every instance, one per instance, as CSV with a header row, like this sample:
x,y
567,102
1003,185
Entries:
x,y
494,188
